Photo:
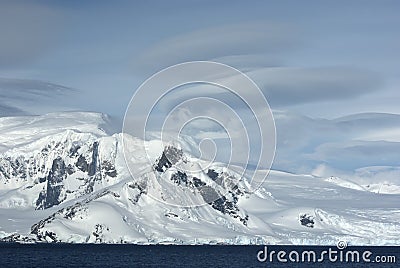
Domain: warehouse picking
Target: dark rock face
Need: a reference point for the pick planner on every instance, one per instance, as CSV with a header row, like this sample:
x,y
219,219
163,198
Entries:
x,y
307,220
70,212
81,164
179,178
18,238
90,167
51,195
16,168
139,190
197,182
169,157
212,174
221,203
4,172
54,192
109,169
74,150
33,169
211,196
98,232
93,165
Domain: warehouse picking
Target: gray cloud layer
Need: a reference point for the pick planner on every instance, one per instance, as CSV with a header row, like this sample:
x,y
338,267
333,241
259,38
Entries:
x,y
284,87
24,96
291,86
259,48
228,43
305,58
345,144
28,30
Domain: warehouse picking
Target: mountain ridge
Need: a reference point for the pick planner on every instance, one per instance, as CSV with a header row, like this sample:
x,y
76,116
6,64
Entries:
x,y
72,185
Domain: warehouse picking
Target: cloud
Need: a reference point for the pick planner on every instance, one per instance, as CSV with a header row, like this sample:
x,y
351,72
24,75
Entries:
x,y
304,144
351,155
28,88
249,62
385,174
229,43
259,49
28,30
285,86
7,110
24,96
310,145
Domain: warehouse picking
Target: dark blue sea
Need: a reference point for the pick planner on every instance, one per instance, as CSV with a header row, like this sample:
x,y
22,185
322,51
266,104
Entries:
x,y
76,255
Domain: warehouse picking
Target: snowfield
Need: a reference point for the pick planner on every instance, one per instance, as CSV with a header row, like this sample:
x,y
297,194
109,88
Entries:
x,y
63,178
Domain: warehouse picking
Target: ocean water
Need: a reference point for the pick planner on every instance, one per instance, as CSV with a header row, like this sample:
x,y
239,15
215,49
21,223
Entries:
x,y
79,255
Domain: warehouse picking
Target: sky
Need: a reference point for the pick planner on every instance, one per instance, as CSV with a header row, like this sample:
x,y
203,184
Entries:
x,y
315,61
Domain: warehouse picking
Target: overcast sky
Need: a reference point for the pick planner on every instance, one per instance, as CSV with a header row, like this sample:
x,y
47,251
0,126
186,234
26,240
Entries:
x,y
319,59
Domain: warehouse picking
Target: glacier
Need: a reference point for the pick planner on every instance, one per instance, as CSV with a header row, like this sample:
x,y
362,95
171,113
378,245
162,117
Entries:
x,y
64,178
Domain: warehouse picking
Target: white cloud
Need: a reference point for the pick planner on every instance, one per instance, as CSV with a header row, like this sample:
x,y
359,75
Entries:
x,y
335,147
233,42
287,87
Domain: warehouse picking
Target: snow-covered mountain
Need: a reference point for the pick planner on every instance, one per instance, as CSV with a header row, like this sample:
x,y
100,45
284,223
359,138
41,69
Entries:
x,y
64,178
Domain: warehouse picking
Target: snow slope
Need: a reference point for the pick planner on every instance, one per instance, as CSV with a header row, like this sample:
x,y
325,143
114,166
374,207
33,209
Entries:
x,y
63,178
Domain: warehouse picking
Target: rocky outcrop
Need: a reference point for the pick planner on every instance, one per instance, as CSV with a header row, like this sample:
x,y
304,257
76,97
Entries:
x,y
64,165
170,156
53,193
226,204
306,220
70,212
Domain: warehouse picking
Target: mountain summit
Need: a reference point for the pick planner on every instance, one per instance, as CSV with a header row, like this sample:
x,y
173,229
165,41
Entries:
x,y
64,178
